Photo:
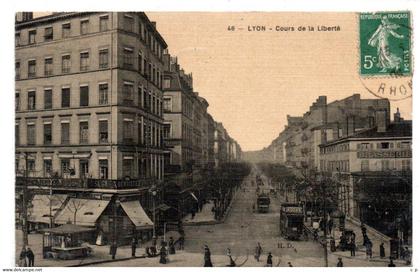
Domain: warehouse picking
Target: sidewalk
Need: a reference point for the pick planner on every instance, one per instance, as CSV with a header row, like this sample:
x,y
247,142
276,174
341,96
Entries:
x,y
205,216
100,253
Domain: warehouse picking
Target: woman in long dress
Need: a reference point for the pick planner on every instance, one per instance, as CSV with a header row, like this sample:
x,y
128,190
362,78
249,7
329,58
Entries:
x,y
380,39
207,257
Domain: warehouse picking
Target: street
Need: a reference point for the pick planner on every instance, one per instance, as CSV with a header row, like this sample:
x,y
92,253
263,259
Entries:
x,y
240,232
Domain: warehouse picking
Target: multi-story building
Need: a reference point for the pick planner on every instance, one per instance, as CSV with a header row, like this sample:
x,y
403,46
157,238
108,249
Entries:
x,y
186,137
220,144
372,170
210,139
298,144
89,112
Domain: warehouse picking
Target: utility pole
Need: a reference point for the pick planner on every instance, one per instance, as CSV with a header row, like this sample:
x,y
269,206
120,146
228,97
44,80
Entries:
x,y
324,208
51,195
25,204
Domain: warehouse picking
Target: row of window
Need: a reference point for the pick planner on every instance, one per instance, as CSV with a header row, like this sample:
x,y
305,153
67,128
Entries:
x,y
387,165
66,31
66,64
86,27
145,99
149,165
150,71
335,148
149,133
366,146
384,145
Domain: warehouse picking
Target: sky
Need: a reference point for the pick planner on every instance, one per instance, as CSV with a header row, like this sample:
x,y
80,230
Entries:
x,y
253,80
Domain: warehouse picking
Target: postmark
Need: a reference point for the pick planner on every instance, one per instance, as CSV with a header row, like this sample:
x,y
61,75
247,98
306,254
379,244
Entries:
x,y
385,65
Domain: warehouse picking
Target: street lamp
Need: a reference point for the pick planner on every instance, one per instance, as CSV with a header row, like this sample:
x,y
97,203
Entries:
x,y
153,191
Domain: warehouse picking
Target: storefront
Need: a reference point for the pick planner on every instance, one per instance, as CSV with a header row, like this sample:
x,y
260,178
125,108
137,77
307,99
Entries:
x,y
383,202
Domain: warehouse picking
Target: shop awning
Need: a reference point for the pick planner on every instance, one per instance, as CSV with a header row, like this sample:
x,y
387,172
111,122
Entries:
x,y
137,215
40,210
67,229
87,211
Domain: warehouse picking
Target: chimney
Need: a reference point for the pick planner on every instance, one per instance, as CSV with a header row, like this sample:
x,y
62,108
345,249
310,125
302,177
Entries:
x,y
23,16
381,120
350,125
397,116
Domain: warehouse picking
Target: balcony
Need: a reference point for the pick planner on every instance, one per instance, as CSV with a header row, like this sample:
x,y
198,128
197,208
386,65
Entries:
x,y
77,183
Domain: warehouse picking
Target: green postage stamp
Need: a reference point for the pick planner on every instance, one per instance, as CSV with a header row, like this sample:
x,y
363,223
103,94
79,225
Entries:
x,y
385,43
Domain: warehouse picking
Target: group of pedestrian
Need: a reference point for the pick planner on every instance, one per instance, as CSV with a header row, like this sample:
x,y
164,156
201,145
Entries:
x,y
406,255
26,257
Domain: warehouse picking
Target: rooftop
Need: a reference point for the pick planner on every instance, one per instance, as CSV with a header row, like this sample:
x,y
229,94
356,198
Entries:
x,y
393,130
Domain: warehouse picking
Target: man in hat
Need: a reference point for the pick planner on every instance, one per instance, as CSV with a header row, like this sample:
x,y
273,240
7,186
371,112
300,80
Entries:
x,y
171,245
31,257
133,247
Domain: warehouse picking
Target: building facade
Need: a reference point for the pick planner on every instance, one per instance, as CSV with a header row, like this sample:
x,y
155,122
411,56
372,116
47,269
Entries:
x,y
89,105
372,172
298,144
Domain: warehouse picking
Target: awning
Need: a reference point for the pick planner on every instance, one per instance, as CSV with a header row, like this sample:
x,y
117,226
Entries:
x,y
67,229
40,210
137,215
87,211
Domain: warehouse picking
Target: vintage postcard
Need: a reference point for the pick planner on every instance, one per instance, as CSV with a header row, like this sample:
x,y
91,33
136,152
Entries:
x,y
213,139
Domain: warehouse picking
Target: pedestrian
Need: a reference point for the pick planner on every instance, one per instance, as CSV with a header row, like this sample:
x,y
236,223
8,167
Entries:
x,y
382,250
330,226
133,247
391,262
332,245
31,257
231,261
22,258
153,250
181,242
352,248
269,259
363,228
316,235
290,264
407,256
369,246
258,251
207,257
340,262
113,250
171,245
365,239
148,253
163,254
